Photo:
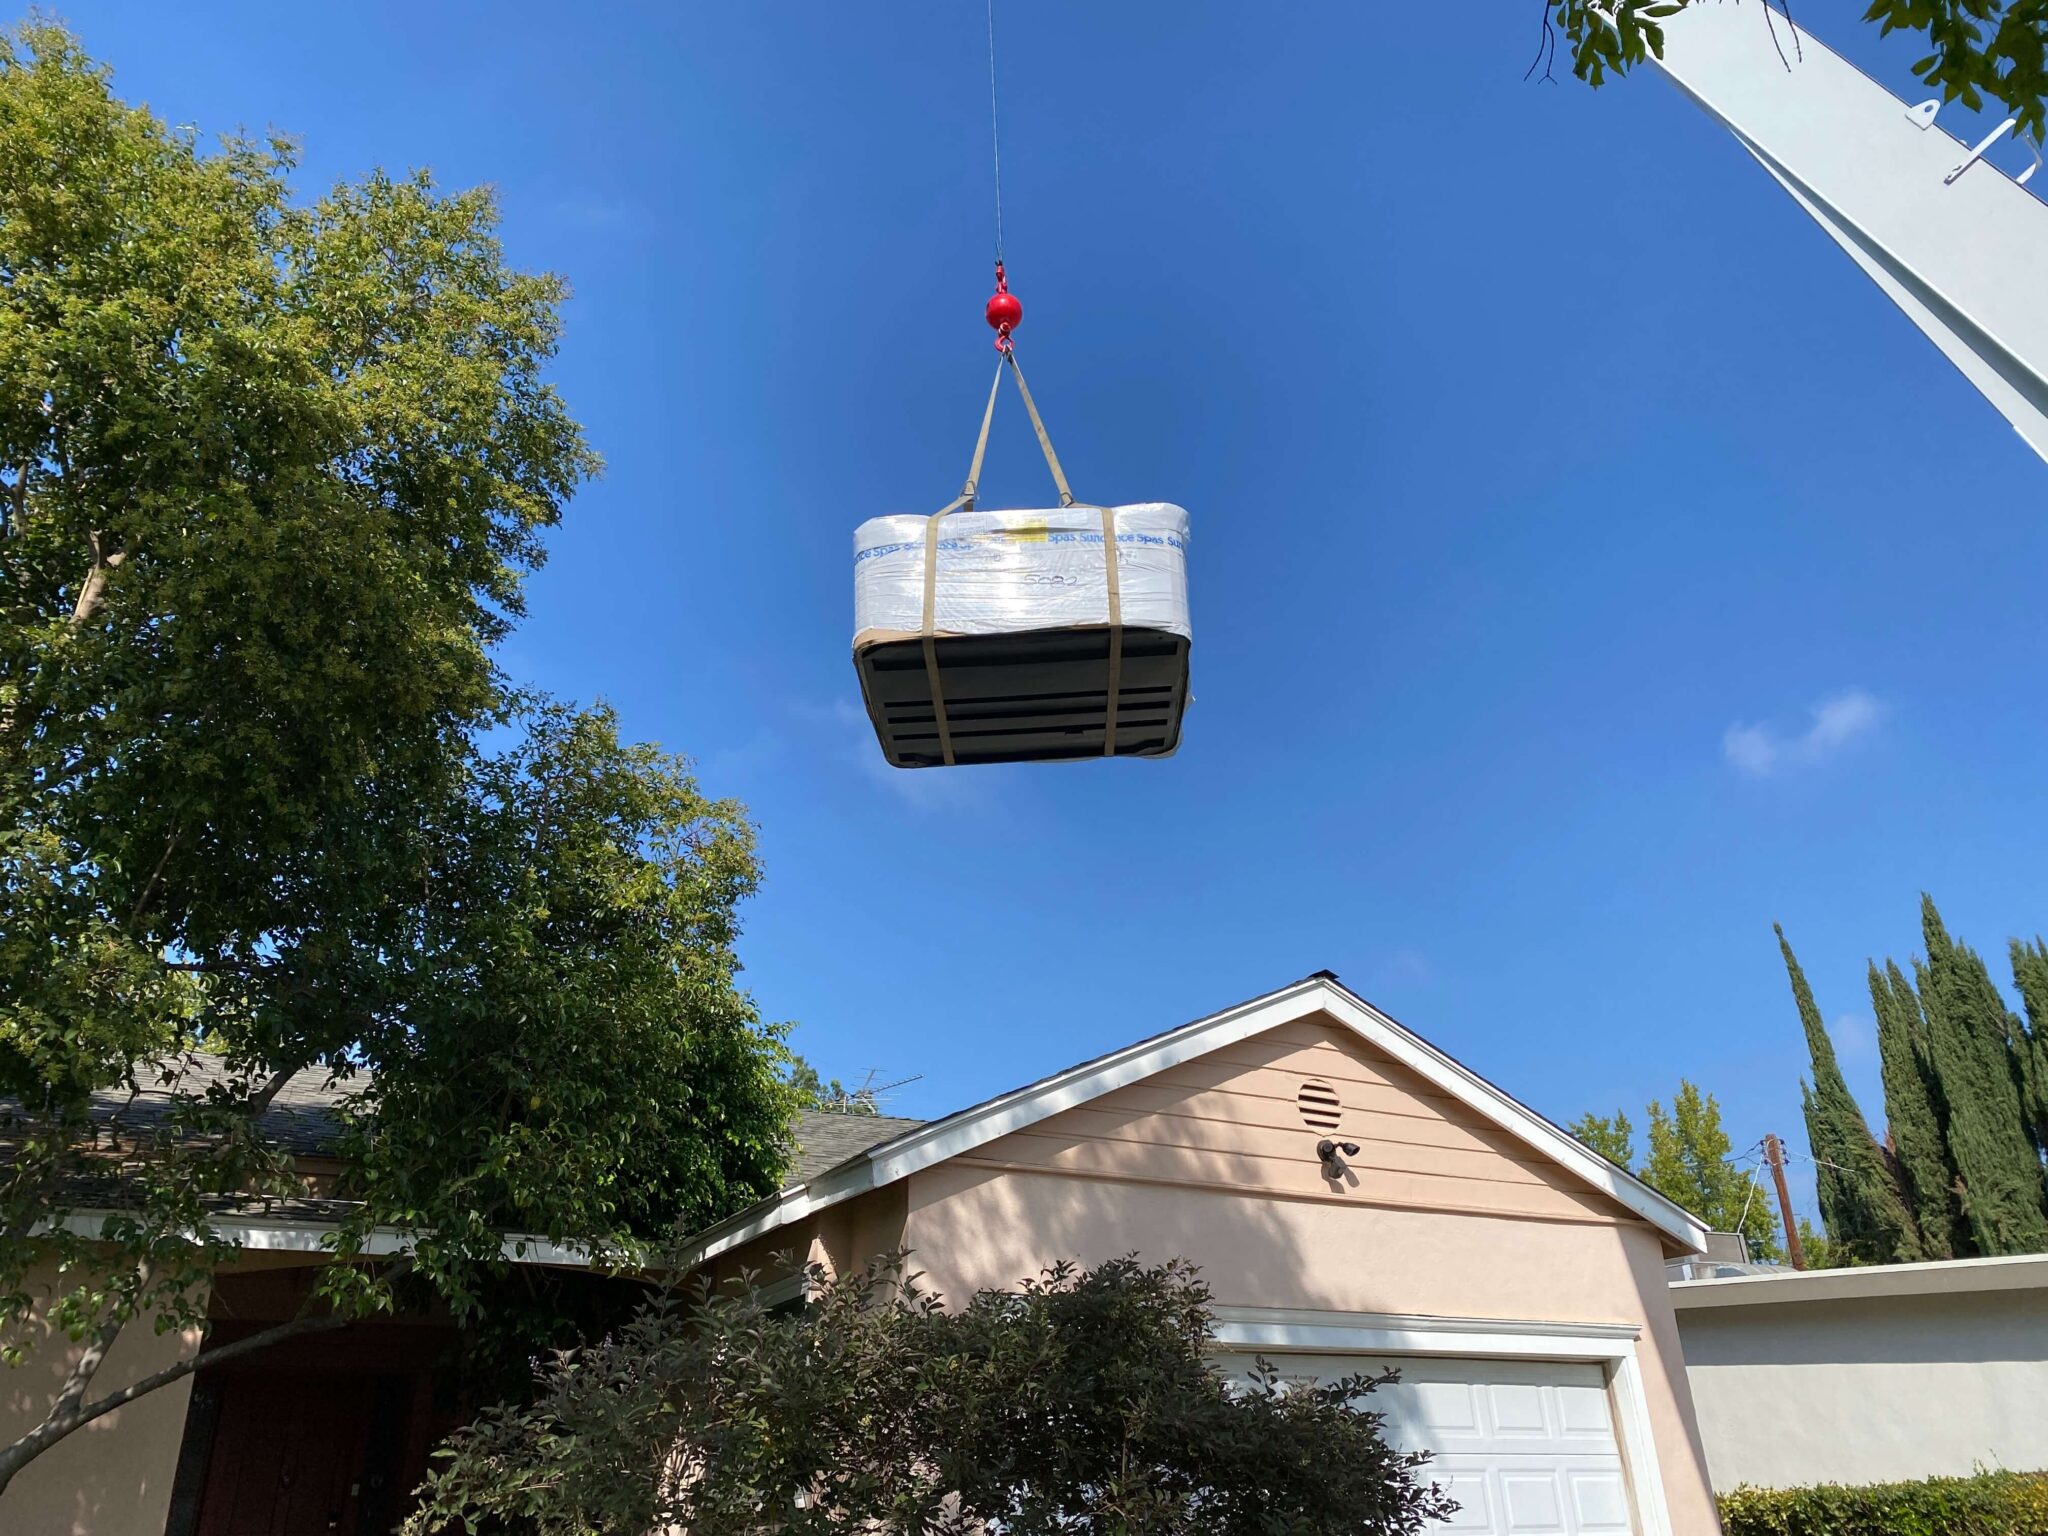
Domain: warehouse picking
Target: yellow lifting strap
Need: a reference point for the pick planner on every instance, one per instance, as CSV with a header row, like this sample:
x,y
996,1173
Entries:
x,y
964,502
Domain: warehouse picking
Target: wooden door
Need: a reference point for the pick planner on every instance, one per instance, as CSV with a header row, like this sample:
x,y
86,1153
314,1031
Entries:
x,y
288,1456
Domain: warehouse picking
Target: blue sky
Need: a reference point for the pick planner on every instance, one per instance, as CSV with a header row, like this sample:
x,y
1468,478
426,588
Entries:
x,y
1590,567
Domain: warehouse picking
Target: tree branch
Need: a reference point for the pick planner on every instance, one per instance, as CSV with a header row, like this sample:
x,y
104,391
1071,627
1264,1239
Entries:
x,y
59,1423
149,890
170,1373
94,591
55,1428
93,1356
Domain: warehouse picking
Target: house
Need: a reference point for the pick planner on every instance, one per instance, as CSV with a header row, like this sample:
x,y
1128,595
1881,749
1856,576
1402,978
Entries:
x,y
324,1432
1516,1278
1869,1375
1352,1194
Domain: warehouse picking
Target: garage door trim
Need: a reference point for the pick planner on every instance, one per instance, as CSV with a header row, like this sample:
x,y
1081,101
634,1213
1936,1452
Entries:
x,y
1278,1330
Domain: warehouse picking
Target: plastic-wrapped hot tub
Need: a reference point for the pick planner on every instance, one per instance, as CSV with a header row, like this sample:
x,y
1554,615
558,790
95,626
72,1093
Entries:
x,y
1003,637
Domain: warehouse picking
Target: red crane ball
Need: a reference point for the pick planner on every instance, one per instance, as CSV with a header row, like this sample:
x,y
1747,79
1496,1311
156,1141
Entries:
x,y
1005,312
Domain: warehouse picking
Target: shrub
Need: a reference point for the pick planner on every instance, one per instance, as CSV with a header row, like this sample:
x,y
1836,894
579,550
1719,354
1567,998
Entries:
x,y
1988,1504
1080,1402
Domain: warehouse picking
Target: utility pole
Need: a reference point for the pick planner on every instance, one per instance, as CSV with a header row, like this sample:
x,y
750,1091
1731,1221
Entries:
x,y
1774,1154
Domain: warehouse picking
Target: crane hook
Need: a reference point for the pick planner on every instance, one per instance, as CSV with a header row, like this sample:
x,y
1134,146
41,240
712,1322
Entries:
x,y
1004,312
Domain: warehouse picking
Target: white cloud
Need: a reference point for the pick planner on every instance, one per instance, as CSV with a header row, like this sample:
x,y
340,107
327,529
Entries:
x,y
1837,721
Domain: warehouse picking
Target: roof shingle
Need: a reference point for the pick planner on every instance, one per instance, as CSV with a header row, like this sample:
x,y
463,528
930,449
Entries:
x,y
825,1140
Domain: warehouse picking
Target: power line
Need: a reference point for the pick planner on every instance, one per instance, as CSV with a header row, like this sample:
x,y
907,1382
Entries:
x,y
1741,1222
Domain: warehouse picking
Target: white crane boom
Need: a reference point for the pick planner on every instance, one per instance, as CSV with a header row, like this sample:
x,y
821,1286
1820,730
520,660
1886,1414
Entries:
x,y
1958,244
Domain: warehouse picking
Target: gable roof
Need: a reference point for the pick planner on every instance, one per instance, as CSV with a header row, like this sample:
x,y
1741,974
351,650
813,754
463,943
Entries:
x,y
924,1144
825,1138
305,1118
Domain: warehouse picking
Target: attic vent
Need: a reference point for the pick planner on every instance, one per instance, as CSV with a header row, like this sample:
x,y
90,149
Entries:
x,y
1320,1110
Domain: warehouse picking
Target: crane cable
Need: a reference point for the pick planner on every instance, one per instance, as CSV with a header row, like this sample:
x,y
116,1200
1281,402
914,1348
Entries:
x,y
995,128
1003,312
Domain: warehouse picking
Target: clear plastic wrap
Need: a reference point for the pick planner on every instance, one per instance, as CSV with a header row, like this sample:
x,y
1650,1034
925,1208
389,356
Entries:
x,y
1009,572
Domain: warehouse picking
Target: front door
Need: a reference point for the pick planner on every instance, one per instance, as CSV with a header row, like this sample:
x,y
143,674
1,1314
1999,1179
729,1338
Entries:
x,y
289,1456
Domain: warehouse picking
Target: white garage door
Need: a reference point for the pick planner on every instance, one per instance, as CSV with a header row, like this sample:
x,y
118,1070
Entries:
x,y
1526,1447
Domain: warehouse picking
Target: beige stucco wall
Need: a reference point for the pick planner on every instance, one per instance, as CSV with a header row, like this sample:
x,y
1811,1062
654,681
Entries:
x,y
113,1477
1864,1390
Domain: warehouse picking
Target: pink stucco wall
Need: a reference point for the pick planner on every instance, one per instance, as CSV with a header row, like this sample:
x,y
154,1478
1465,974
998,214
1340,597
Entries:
x,y
113,1477
974,1228
1440,1213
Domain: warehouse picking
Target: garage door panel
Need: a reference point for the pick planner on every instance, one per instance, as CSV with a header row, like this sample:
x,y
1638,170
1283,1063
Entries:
x,y
1517,1411
1533,1502
1582,1411
1440,1411
1525,1447
1474,1494
1598,1500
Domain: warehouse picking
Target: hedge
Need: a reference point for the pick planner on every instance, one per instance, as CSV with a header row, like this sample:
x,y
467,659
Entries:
x,y
1989,1504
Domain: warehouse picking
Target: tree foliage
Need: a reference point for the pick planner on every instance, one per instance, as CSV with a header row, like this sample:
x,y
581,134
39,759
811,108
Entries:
x,y
2030,1044
1611,1136
1971,1035
1864,1203
1979,50
831,1096
1688,1161
1082,1401
1960,1173
1913,1107
271,475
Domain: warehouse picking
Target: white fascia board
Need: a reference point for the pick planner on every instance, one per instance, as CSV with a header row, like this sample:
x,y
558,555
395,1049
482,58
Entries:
x,y
1940,1277
964,1132
1283,1330
1078,1085
259,1235
1519,1121
1013,1111
792,1205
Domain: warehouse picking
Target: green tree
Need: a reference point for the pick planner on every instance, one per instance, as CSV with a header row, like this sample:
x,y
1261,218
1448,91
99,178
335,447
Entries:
x,y
1817,1250
271,474
1863,1202
1970,1034
1688,1161
1913,1108
1081,1402
2030,977
832,1097
1978,50
1611,1136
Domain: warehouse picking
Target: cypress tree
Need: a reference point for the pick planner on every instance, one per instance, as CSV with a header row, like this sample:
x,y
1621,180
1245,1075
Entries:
x,y
1915,1117
2030,975
1969,1041
1862,1196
